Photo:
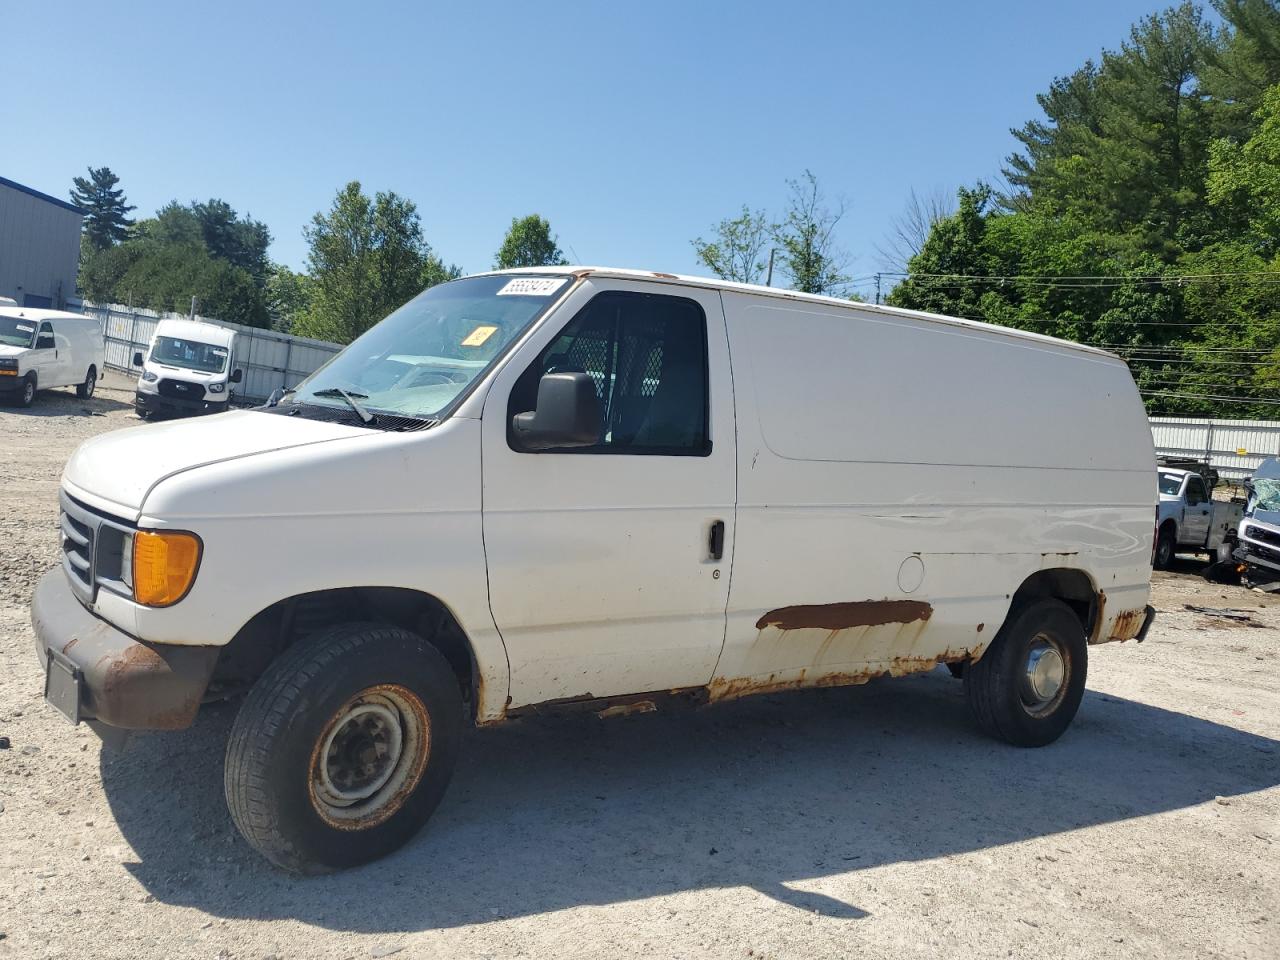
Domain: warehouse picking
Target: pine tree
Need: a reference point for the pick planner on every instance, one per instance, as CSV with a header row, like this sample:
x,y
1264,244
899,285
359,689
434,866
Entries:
x,y
105,223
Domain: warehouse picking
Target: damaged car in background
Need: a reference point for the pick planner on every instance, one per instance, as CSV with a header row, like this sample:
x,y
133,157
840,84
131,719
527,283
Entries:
x,y
1258,552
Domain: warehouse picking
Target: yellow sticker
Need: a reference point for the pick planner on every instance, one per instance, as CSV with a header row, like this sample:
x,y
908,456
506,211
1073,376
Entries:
x,y
479,335
1241,452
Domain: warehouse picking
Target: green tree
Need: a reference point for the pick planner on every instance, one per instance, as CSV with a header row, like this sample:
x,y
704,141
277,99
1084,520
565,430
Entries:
x,y
367,258
807,237
529,243
1244,179
736,250
215,225
105,220
288,296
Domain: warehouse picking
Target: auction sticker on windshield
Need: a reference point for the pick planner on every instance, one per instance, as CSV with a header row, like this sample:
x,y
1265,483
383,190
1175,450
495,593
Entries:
x,y
532,287
479,335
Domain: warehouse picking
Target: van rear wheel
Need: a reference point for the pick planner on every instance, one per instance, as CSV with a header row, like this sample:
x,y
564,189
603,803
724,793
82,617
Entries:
x,y
344,747
1027,686
85,390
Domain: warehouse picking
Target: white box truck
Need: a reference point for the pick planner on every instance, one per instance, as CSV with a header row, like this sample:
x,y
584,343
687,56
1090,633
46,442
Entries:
x,y
40,349
188,369
599,488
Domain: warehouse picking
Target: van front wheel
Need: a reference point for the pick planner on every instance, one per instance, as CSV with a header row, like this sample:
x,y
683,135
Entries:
x,y
27,395
1027,685
344,747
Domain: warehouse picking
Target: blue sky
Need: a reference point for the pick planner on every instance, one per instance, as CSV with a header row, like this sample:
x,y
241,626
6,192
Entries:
x,y
633,128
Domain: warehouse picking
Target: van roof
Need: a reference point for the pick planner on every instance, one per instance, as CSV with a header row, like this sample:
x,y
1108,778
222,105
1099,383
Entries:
x,y
36,314
779,293
210,333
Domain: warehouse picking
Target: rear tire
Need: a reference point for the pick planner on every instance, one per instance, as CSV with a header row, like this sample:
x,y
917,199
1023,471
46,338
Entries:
x,y
1165,549
1027,686
85,390
344,747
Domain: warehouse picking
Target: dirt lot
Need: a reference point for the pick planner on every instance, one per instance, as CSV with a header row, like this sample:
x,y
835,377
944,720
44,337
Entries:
x,y
868,822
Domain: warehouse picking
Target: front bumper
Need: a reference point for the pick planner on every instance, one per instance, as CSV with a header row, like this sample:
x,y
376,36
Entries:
x,y
11,384
154,403
122,682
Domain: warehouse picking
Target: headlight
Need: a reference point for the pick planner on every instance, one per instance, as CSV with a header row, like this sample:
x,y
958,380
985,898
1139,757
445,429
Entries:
x,y
217,387
164,566
150,377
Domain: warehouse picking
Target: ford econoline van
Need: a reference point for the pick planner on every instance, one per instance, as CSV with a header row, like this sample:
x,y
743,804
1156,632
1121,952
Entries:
x,y
188,369
603,489
48,348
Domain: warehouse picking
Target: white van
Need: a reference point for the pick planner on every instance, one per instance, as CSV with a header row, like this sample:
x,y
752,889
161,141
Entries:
x,y
604,489
188,369
48,348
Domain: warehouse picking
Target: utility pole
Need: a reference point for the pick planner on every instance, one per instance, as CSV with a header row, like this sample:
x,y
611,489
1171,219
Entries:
x,y
193,307
768,282
877,288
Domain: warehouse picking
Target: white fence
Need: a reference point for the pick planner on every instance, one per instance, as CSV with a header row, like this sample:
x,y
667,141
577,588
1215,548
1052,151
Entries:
x,y
1235,447
269,359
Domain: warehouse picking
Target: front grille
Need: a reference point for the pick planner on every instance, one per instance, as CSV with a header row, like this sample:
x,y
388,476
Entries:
x,y
1260,533
77,550
180,389
92,548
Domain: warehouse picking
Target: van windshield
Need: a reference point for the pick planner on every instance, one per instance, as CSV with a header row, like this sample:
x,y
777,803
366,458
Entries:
x,y
16,332
190,354
422,357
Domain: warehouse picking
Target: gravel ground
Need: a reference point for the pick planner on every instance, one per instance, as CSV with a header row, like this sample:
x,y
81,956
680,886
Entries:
x,y
868,822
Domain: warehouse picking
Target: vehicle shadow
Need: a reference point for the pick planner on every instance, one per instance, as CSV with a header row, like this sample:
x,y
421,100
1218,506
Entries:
x,y
548,813
65,403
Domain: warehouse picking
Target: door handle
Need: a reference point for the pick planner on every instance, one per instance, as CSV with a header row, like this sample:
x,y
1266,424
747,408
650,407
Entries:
x,y
716,544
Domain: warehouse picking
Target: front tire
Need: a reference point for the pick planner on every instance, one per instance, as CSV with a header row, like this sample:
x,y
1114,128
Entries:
x,y
85,390
28,394
344,747
1027,686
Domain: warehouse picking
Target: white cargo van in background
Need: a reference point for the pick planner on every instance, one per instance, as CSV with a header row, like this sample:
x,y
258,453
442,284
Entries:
x,y
607,489
48,348
189,369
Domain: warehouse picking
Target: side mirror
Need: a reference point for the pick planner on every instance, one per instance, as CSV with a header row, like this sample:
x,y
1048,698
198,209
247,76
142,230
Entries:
x,y
137,358
236,376
45,342
567,415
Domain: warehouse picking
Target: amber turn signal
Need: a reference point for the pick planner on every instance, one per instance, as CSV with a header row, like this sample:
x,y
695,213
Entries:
x,y
164,565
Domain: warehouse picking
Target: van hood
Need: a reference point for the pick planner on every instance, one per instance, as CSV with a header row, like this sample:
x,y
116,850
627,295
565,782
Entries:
x,y
117,470
8,350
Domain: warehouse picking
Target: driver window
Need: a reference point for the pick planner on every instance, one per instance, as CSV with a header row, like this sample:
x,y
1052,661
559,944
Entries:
x,y
647,355
1195,492
44,340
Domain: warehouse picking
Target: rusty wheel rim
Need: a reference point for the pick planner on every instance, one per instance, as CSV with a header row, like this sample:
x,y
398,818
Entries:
x,y
369,757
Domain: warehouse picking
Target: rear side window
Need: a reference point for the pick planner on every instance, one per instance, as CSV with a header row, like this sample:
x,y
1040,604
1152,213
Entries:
x,y
647,355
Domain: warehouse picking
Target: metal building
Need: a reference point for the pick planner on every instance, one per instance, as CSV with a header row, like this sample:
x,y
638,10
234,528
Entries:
x,y
39,247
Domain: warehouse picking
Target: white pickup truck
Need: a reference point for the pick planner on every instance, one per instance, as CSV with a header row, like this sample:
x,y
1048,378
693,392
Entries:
x,y
1189,520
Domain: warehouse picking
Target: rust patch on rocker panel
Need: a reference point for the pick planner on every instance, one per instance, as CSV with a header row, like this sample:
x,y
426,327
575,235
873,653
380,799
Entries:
x,y
721,689
842,616
1127,624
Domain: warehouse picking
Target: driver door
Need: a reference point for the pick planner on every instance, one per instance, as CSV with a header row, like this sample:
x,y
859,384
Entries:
x,y
609,564
44,358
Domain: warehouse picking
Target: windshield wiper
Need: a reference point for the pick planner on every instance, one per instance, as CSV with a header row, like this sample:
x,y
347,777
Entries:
x,y
364,415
